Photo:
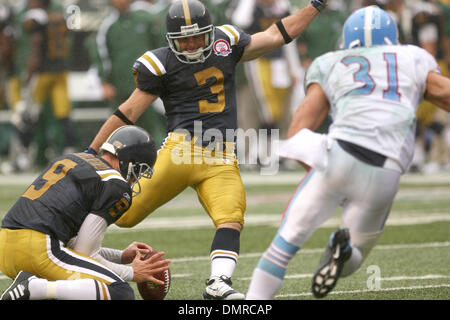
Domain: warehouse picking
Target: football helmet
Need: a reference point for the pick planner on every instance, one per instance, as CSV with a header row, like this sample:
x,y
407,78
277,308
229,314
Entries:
x,y
369,26
136,152
187,18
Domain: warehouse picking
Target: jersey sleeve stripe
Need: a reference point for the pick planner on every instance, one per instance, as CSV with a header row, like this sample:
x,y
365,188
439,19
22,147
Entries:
x,y
106,175
231,33
152,63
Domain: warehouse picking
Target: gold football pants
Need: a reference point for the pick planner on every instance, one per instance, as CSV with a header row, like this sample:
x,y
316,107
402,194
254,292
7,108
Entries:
x,y
53,85
48,258
180,164
271,99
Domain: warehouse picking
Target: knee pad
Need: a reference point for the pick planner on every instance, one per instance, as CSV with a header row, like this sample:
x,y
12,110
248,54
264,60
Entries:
x,y
121,291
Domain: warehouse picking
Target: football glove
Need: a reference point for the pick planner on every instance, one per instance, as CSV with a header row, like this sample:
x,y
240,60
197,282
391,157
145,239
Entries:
x,y
319,4
91,151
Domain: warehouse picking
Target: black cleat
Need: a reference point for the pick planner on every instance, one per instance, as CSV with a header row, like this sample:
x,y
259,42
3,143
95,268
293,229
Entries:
x,y
337,252
18,290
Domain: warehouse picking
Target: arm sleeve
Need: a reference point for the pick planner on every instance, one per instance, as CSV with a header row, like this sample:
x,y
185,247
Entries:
x,y
113,255
89,240
103,60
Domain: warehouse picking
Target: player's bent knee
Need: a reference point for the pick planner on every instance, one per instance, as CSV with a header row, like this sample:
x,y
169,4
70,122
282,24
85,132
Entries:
x,y
121,291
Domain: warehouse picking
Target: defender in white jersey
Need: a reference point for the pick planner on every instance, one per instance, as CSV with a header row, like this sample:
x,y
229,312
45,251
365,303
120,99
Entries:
x,y
372,89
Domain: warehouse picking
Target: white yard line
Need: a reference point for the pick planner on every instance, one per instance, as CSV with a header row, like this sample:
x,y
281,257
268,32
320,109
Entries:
x,y
191,222
320,250
398,278
306,294
254,178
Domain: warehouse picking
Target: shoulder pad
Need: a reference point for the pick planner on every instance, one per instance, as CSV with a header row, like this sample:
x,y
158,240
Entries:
x,y
152,63
231,32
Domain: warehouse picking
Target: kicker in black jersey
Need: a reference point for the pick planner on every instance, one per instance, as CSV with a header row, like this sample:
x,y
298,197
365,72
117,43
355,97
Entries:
x,y
159,72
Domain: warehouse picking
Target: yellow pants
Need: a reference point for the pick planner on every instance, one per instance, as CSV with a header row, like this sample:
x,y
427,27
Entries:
x,y
53,85
13,92
48,258
181,164
271,100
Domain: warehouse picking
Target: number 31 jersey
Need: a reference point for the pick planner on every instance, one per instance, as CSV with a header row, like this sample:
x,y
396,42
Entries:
x,y
374,93
196,92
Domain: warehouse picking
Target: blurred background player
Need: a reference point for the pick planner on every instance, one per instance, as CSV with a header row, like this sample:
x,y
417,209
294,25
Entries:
x,y
273,76
432,146
372,89
40,74
6,51
129,30
50,240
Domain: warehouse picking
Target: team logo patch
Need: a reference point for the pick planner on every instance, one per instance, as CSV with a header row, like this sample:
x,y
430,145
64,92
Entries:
x,y
222,48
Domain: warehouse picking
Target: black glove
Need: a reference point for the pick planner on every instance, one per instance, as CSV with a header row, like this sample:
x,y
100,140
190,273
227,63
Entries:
x,y
91,151
319,4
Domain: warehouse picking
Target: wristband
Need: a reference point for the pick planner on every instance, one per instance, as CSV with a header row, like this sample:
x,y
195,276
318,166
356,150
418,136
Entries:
x,y
91,151
283,31
122,117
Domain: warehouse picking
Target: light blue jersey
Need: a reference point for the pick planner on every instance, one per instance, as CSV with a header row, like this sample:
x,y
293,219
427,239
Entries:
x,y
373,98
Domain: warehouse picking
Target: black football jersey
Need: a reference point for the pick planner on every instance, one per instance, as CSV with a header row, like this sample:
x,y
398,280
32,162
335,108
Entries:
x,y
196,92
70,188
54,47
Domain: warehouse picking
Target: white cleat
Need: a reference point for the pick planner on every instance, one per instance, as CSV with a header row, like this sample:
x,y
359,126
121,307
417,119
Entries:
x,y
219,288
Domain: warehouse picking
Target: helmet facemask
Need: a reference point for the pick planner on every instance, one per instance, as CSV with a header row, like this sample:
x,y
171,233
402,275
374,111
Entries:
x,y
136,152
193,30
132,167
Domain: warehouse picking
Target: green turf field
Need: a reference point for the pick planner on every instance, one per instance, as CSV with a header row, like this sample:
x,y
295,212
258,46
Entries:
x,y
411,260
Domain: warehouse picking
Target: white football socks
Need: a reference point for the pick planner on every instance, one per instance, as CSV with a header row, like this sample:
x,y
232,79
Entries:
x,y
263,286
222,266
81,289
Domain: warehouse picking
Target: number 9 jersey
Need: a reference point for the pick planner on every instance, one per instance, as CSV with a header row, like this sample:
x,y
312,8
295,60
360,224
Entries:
x,y
373,98
199,91
69,189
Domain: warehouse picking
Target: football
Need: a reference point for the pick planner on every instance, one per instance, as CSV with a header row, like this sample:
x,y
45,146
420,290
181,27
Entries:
x,y
151,291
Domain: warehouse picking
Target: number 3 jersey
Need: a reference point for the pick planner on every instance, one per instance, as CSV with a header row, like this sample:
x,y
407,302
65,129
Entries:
x,y
70,188
196,92
374,94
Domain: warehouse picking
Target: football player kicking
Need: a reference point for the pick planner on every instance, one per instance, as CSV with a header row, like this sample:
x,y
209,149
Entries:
x,y
194,77
50,240
372,89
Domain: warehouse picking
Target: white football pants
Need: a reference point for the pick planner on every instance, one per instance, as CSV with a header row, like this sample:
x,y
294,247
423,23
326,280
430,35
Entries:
x,y
365,192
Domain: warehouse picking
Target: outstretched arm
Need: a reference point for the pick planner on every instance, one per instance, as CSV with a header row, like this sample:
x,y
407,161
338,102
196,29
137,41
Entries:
x,y
132,109
438,90
311,111
271,39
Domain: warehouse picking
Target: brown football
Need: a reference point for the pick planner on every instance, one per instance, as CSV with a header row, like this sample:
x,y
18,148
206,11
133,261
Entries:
x,y
152,291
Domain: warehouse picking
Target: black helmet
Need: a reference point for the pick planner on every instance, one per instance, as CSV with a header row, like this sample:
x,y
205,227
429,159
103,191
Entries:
x,y
187,18
136,152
